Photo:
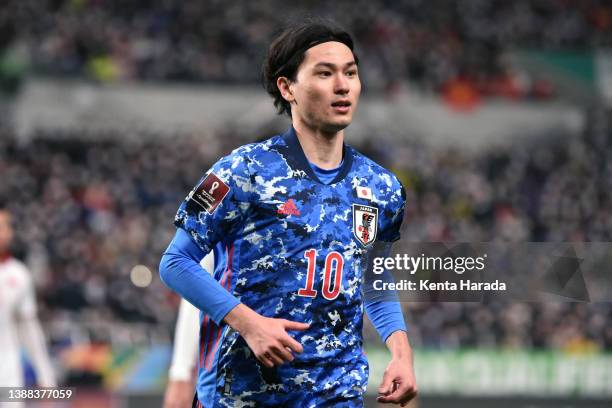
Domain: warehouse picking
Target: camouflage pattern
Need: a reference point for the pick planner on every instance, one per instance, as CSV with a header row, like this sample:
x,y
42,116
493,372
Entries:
x,y
260,242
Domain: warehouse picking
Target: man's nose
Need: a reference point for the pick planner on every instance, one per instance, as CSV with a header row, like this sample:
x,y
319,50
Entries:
x,y
341,84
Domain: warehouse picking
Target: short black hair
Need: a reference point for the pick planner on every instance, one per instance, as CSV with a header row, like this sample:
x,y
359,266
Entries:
x,y
286,53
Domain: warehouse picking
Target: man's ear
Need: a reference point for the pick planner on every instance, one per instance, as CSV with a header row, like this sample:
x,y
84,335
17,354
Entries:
x,y
285,88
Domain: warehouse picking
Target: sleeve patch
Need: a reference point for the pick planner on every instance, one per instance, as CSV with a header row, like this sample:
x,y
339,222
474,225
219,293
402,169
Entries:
x,y
210,193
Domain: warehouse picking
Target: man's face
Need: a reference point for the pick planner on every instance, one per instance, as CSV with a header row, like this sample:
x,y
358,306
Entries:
x,y
6,231
327,87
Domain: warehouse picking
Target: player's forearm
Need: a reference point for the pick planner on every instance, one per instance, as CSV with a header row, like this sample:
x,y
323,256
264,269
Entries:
x,y
180,270
178,394
188,279
386,317
399,346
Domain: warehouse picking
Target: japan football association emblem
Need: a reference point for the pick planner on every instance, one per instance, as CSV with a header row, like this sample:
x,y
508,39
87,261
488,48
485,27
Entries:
x,y
365,223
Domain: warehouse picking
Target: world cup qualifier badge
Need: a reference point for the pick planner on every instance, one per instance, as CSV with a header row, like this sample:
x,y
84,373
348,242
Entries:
x,y
209,194
365,223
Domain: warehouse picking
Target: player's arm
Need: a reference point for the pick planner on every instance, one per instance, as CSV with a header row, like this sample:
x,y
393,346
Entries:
x,y
181,271
31,335
180,389
383,308
398,384
215,211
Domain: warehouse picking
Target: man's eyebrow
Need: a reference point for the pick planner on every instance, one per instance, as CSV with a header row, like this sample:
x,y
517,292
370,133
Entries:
x,y
332,65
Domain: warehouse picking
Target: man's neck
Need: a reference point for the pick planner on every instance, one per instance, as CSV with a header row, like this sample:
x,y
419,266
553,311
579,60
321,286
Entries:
x,y
324,150
4,255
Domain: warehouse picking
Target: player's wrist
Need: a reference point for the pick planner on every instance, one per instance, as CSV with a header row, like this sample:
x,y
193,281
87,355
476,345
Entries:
x,y
241,318
399,346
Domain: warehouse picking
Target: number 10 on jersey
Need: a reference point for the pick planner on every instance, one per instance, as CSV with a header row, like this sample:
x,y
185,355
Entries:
x,y
334,263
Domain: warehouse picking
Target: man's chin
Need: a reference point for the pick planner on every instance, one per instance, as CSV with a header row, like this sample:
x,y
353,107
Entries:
x,y
337,126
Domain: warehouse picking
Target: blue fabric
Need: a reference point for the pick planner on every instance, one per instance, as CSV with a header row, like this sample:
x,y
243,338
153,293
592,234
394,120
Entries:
x,y
180,269
326,176
386,317
382,307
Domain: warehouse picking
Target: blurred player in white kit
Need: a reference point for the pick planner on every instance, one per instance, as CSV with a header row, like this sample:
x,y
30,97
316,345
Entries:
x,y
19,323
181,376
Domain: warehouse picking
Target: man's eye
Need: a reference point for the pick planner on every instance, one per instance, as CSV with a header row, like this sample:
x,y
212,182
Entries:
x,y
351,73
325,73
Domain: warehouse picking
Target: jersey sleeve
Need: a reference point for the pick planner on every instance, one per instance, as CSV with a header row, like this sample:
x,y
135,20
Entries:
x,y
215,209
26,308
393,214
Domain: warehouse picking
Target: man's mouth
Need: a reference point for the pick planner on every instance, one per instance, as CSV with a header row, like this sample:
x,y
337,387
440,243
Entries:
x,y
341,106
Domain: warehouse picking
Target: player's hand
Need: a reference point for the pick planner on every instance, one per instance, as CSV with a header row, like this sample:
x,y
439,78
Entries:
x,y
399,384
271,343
179,394
266,337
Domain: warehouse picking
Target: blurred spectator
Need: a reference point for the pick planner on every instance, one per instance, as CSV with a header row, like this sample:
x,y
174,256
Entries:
x,y
457,47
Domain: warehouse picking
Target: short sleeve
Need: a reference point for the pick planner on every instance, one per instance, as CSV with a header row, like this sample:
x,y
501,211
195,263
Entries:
x,y
215,209
393,215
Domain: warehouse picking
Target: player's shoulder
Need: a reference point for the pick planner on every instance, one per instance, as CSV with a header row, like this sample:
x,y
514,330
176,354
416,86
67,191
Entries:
x,y
256,149
18,270
243,160
17,266
251,155
384,179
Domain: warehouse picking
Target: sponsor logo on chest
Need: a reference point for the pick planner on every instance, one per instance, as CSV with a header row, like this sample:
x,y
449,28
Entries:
x,y
288,208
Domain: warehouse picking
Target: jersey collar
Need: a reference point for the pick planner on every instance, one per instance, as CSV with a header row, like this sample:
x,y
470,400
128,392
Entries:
x,y
300,162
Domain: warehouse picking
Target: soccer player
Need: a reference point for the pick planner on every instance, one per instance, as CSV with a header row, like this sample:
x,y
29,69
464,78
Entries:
x,y
291,221
18,321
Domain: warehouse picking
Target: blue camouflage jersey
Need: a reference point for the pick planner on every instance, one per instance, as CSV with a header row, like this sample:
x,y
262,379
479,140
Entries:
x,y
291,247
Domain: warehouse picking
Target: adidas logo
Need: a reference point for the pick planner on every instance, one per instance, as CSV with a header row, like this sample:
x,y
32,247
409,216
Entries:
x,y
288,208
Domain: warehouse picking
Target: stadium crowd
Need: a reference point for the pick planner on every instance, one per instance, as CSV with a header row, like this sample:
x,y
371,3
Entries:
x,y
87,212
451,47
